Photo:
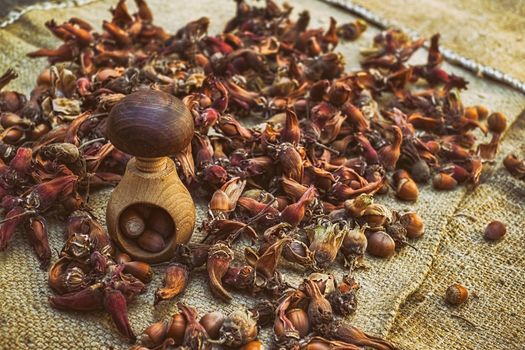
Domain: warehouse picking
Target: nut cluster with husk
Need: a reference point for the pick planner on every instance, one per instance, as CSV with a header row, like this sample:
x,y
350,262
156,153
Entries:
x,y
302,186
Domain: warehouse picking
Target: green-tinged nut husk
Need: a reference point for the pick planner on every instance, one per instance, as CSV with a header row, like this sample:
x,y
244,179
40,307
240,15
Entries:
x,y
377,215
325,240
356,207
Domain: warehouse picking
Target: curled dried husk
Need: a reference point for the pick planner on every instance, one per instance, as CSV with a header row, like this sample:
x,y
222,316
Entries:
x,y
295,213
195,335
37,233
116,305
291,132
87,299
266,264
219,259
347,333
176,279
239,328
66,153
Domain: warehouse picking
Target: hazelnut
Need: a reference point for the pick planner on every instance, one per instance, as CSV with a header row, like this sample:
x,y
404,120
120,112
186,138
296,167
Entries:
x,y
381,245
413,224
131,223
151,241
495,231
482,111
444,181
160,221
456,294
497,122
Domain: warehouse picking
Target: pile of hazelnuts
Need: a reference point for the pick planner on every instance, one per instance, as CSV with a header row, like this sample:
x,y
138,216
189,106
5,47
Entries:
x,y
149,226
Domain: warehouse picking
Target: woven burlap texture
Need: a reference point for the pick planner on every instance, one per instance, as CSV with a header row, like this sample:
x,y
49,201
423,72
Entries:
x,y
400,298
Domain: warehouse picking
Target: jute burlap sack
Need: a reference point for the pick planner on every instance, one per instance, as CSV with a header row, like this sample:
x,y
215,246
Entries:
x,y
401,298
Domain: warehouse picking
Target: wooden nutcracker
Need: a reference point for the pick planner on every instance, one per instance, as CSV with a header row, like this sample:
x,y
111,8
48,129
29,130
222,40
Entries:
x,y
150,211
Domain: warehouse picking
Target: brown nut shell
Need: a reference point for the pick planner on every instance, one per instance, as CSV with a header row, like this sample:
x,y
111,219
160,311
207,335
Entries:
x,y
456,294
444,181
177,328
495,231
160,221
212,323
151,241
381,245
131,223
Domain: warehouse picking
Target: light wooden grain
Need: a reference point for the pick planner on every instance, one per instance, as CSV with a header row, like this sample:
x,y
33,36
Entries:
x,y
163,189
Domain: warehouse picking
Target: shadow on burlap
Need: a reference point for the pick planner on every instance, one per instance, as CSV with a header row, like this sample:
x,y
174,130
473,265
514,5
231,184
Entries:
x,y
401,298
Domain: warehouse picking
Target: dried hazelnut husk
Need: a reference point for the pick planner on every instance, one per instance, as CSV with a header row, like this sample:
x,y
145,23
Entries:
x,y
195,336
343,299
413,224
131,223
298,318
260,196
347,333
39,130
299,253
325,282
495,231
177,328
456,294
377,215
239,277
176,279
497,122
444,181
239,328
381,245
319,309
354,244
356,207
339,93
66,153
325,240
212,323
151,241
161,222
220,256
